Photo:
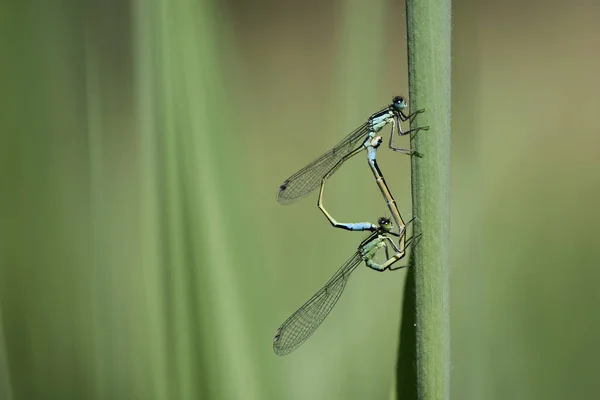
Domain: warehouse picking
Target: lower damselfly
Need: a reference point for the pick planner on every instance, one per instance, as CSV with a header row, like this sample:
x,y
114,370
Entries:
x,y
303,323
309,177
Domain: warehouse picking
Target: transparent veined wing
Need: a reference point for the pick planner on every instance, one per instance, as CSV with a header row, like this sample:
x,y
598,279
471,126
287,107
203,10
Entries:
x,y
303,323
309,178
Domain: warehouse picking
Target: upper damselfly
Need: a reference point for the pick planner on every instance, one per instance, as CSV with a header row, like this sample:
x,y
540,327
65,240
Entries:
x,y
309,177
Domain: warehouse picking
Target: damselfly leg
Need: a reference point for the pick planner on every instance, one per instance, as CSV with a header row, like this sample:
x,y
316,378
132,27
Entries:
x,y
410,117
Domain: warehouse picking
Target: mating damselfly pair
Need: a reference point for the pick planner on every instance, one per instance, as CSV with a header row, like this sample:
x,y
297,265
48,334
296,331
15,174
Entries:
x,y
302,323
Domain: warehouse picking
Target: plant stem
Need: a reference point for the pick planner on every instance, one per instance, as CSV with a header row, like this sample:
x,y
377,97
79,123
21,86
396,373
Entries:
x,y
429,34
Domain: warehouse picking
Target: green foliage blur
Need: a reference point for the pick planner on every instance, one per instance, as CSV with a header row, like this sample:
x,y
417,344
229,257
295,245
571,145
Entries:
x,y
143,254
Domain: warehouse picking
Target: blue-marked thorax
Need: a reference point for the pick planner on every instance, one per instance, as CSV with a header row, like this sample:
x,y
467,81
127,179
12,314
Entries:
x,y
368,251
379,120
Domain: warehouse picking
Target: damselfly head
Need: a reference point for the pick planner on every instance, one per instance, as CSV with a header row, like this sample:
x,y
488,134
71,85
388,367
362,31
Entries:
x,y
399,103
385,223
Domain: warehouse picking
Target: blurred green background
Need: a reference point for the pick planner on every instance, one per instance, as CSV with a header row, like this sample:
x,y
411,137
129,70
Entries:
x,y
143,254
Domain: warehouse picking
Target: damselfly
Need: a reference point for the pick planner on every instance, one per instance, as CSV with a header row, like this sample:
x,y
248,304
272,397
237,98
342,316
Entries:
x,y
303,323
308,178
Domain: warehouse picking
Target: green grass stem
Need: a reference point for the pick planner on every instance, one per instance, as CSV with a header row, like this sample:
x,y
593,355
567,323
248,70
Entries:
x,y
429,34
